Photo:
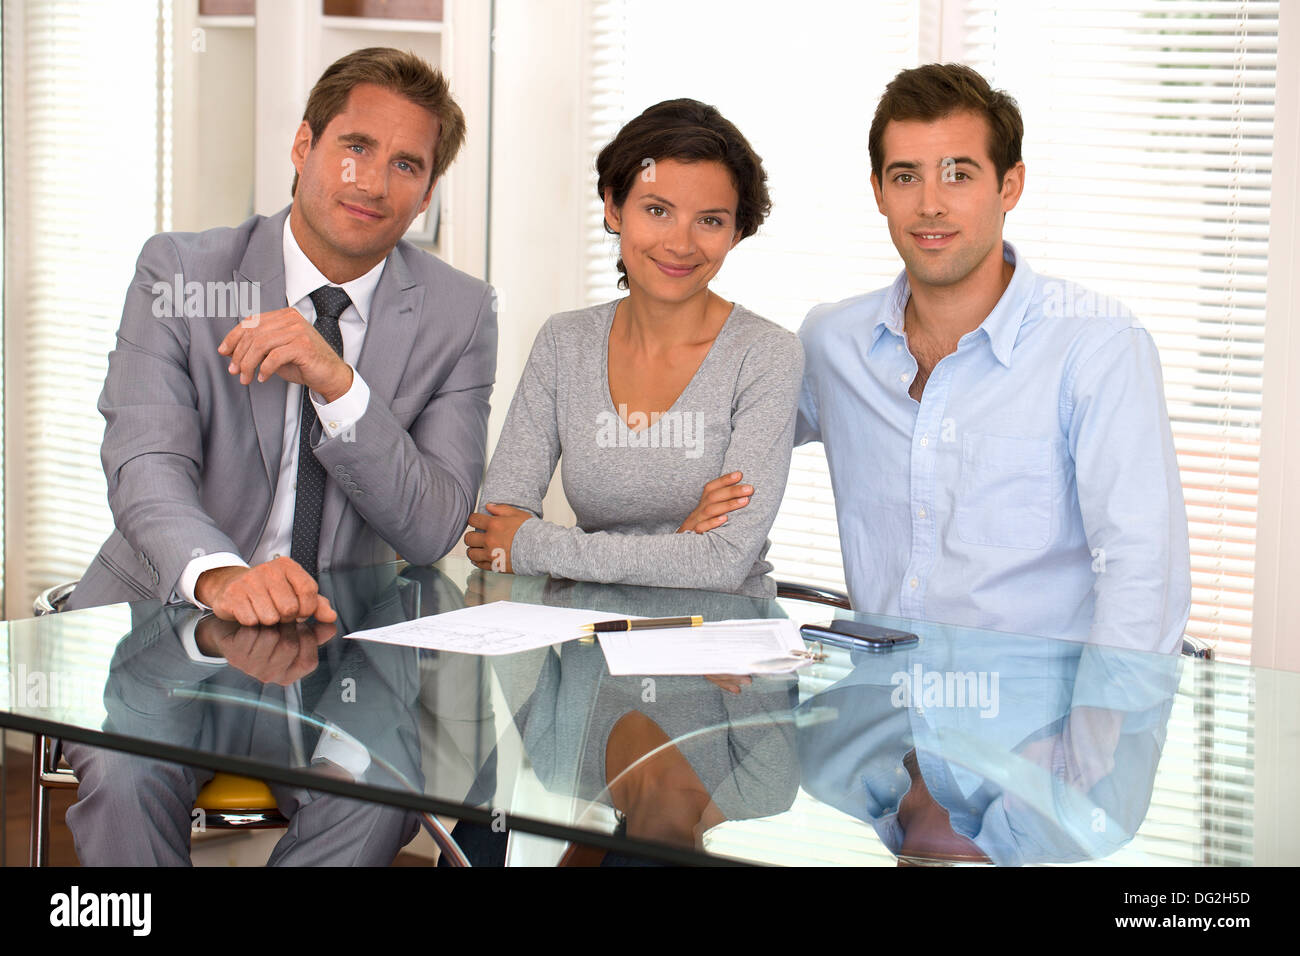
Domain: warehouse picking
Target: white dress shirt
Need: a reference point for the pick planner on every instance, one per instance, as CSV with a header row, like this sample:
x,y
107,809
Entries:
x,y
301,279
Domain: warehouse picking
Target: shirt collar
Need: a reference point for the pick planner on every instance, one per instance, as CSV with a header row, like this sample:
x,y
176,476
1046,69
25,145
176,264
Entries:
x,y
1002,325
302,278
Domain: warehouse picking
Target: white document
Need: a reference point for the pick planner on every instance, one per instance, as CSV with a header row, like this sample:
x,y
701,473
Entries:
x,y
502,627
763,646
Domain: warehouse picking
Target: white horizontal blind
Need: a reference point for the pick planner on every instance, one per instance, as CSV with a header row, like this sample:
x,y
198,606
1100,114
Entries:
x,y
1149,138
91,146
800,83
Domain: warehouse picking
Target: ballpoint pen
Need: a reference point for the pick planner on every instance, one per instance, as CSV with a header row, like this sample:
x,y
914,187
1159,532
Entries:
x,y
630,624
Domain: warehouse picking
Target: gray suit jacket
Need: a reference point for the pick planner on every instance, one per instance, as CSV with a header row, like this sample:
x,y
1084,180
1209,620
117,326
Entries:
x,y
192,456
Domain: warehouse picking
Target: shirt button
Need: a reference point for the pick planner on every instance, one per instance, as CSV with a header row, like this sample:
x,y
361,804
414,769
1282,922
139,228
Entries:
x,y
898,348
913,583
334,424
921,513
903,378
924,442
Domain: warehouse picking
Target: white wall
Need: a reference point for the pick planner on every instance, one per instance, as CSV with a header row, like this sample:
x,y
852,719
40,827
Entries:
x,y
539,184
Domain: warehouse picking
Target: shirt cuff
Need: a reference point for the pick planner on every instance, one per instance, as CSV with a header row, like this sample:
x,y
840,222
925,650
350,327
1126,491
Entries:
x,y
205,562
190,642
338,417
339,747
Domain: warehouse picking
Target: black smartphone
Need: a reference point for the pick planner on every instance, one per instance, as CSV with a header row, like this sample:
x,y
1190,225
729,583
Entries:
x,y
851,634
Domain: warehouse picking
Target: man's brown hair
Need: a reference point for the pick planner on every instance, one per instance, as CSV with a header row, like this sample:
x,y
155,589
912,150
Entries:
x,y
401,72
938,90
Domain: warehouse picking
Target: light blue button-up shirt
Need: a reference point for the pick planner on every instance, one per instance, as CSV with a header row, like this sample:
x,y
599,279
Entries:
x,y
1033,489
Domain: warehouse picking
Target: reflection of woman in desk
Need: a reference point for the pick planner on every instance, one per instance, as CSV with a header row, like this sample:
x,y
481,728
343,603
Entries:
x,y
731,755
649,398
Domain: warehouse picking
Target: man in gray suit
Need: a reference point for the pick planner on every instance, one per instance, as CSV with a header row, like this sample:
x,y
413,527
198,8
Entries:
x,y
343,422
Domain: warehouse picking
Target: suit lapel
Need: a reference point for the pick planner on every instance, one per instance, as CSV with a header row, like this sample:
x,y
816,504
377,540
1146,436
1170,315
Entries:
x,y
395,315
263,264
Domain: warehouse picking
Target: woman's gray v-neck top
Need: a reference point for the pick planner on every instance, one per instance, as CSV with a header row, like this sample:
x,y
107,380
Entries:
x,y
631,488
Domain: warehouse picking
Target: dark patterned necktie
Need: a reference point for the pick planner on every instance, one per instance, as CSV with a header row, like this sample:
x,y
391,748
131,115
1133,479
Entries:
x,y
330,301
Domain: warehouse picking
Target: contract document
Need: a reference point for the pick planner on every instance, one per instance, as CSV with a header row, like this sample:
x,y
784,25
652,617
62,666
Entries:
x,y
502,627
763,646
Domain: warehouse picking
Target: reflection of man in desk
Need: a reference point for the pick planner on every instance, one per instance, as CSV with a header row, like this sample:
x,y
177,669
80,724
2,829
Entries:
x,y
998,441
1060,770
296,696
344,422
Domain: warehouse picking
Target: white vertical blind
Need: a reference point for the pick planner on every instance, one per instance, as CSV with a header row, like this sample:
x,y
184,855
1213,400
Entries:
x,y
88,126
1149,143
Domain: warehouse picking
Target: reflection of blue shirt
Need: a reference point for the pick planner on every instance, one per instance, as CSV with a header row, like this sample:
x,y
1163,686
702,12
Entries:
x,y
1055,763
1033,489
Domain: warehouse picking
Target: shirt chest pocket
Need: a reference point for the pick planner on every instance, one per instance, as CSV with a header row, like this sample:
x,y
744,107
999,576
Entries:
x,y
1004,498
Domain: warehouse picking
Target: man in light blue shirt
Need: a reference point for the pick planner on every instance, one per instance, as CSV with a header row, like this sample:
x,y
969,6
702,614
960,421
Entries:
x,y
998,442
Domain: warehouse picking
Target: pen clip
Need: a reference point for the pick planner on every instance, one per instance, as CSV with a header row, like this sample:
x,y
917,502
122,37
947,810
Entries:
x,y
780,665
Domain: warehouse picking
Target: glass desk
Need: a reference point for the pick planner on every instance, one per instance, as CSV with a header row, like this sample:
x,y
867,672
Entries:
x,y
967,747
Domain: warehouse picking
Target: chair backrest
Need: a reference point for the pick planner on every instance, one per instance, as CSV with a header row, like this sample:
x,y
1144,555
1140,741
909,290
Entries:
x,y
51,600
814,593
1192,646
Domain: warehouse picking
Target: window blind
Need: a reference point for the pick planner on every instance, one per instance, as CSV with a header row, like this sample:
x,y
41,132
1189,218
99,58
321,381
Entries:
x,y
1149,141
93,81
1149,138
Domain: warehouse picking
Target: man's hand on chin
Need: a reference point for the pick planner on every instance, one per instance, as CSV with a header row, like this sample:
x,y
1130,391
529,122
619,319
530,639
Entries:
x,y
284,343
271,593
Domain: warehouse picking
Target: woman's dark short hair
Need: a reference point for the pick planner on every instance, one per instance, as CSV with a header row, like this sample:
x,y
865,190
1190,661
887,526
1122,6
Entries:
x,y
938,90
688,131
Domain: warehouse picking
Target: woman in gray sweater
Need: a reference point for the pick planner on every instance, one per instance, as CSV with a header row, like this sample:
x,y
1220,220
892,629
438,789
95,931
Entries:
x,y
646,400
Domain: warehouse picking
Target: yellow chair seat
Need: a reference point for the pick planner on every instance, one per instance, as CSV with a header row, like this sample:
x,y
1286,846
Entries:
x,y
228,791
